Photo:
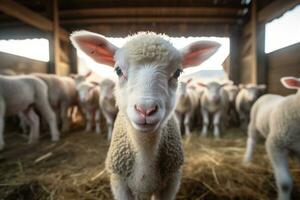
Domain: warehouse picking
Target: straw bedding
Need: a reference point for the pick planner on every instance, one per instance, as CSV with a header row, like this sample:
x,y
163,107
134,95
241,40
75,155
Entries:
x,y
74,169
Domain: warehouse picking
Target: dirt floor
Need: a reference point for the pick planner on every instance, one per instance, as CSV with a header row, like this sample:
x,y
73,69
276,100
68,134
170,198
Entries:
x,y
74,169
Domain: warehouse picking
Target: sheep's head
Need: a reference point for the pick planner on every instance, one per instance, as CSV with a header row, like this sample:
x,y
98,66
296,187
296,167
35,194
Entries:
x,y
233,90
252,91
107,90
85,91
213,91
148,67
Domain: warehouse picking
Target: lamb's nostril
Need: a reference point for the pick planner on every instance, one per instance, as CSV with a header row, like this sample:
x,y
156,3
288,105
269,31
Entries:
x,y
146,111
152,110
140,110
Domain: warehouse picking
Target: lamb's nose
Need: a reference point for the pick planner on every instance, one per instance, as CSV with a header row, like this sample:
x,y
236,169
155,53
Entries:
x,y
146,111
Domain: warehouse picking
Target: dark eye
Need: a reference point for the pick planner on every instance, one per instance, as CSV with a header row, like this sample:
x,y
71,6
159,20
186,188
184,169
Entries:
x,y
119,71
177,73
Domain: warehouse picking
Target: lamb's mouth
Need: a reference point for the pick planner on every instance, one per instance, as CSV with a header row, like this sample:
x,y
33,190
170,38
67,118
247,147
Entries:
x,y
145,127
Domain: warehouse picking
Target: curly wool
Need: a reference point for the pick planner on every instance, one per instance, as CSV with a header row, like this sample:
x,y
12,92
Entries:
x,y
121,156
149,46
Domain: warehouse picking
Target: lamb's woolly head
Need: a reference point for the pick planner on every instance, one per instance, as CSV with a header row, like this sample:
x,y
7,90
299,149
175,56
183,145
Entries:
x,y
148,47
148,67
213,90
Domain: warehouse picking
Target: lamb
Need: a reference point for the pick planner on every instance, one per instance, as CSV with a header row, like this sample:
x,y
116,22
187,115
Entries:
x,y
187,103
277,119
214,101
245,99
20,94
62,96
232,91
89,103
107,103
145,155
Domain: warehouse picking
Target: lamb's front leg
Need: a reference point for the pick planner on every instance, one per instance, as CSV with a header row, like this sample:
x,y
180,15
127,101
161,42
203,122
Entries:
x,y
216,123
1,132
279,160
170,190
205,117
97,121
119,188
187,124
89,119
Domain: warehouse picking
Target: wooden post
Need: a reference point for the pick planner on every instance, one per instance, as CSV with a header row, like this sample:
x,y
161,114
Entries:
x,y
261,56
234,69
253,25
54,38
73,59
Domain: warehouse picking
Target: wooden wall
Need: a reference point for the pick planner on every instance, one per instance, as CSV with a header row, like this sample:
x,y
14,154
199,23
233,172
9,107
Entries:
x,y
283,62
21,64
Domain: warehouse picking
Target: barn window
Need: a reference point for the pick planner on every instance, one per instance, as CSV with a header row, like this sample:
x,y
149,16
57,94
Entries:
x,y
212,67
283,31
37,49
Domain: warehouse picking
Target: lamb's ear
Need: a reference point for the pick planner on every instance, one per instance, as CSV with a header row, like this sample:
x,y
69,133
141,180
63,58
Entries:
x,y
189,80
95,46
88,74
197,52
290,82
201,84
262,87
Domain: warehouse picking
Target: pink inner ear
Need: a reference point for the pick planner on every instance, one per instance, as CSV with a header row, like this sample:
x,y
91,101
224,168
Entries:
x,y
98,50
292,82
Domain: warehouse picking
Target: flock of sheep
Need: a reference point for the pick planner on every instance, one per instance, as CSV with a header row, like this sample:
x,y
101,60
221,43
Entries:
x,y
146,108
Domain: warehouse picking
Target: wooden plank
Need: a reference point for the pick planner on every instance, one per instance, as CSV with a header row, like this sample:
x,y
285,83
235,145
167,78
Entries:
x,y
54,46
275,9
253,25
162,20
261,56
24,14
150,11
234,70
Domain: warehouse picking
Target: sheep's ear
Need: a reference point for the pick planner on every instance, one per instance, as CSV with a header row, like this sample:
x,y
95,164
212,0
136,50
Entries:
x,y
262,87
189,80
88,74
201,84
197,52
95,83
241,86
290,82
95,46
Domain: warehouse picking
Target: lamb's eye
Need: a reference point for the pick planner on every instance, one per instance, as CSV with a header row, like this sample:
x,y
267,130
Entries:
x,y
119,71
177,73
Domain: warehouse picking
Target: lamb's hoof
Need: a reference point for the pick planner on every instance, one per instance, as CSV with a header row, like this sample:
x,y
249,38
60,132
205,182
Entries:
x,y
33,141
55,138
246,163
2,147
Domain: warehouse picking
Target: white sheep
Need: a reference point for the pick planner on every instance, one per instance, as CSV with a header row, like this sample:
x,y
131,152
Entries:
x,y
187,104
214,102
246,97
232,113
107,103
89,103
62,96
277,119
20,94
145,154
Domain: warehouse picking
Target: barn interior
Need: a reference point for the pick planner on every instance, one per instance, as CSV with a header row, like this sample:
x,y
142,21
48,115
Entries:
x,y
73,168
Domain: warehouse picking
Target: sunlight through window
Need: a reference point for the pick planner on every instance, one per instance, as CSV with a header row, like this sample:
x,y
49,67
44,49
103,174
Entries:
x,y
284,31
37,49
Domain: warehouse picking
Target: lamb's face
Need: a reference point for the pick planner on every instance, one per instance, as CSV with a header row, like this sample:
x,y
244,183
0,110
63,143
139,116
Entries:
x,y
107,90
181,90
148,67
232,92
252,92
146,90
84,91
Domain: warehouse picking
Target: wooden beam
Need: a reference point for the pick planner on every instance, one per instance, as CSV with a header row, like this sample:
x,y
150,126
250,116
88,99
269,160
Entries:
x,y
275,9
54,43
160,20
153,11
26,15
253,25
